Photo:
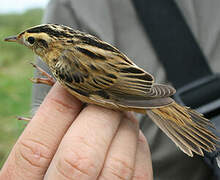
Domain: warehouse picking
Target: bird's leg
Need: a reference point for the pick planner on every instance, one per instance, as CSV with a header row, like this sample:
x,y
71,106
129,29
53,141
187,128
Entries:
x,y
49,80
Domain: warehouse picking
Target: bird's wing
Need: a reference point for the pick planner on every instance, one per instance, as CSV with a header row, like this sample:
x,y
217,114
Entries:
x,y
111,77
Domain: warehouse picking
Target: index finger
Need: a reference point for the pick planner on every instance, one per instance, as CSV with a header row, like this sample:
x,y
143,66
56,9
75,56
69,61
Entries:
x,y
31,155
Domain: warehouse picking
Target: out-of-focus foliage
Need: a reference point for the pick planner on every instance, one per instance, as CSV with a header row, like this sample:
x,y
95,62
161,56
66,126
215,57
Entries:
x,y
15,70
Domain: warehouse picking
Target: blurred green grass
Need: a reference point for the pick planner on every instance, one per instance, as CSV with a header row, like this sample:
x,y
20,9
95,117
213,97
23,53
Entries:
x,y
15,70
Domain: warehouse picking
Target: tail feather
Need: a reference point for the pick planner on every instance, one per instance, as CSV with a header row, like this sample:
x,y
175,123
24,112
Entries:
x,y
187,128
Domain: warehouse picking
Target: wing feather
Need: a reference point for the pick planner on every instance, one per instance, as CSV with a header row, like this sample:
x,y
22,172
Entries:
x,y
111,76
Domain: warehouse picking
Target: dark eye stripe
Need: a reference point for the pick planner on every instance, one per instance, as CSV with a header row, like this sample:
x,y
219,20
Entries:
x,y
43,42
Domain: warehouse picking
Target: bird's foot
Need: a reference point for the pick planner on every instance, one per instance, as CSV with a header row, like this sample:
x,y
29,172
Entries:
x,y
49,80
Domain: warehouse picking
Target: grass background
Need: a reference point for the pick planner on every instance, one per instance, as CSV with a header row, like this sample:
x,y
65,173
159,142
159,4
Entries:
x,y
15,70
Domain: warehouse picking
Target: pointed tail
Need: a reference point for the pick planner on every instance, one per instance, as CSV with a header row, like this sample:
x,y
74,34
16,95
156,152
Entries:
x,y
188,129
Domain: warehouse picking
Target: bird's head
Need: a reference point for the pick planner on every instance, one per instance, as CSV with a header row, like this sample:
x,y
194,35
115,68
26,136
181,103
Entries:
x,y
43,38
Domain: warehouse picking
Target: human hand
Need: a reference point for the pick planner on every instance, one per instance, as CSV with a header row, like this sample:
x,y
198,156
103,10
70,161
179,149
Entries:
x,y
63,141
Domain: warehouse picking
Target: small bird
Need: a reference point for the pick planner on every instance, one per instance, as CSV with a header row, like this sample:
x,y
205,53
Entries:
x,y
98,73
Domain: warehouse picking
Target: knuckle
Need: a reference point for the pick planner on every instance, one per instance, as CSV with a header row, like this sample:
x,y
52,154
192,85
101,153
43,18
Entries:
x,y
32,155
76,164
118,169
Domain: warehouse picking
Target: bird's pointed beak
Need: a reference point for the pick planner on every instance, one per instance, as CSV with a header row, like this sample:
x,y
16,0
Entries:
x,y
11,39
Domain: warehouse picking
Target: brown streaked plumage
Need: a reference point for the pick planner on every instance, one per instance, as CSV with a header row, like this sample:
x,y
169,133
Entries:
x,y
98,73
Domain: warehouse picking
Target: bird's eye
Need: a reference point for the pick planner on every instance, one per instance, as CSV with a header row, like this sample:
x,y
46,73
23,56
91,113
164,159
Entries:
x,y
31,40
